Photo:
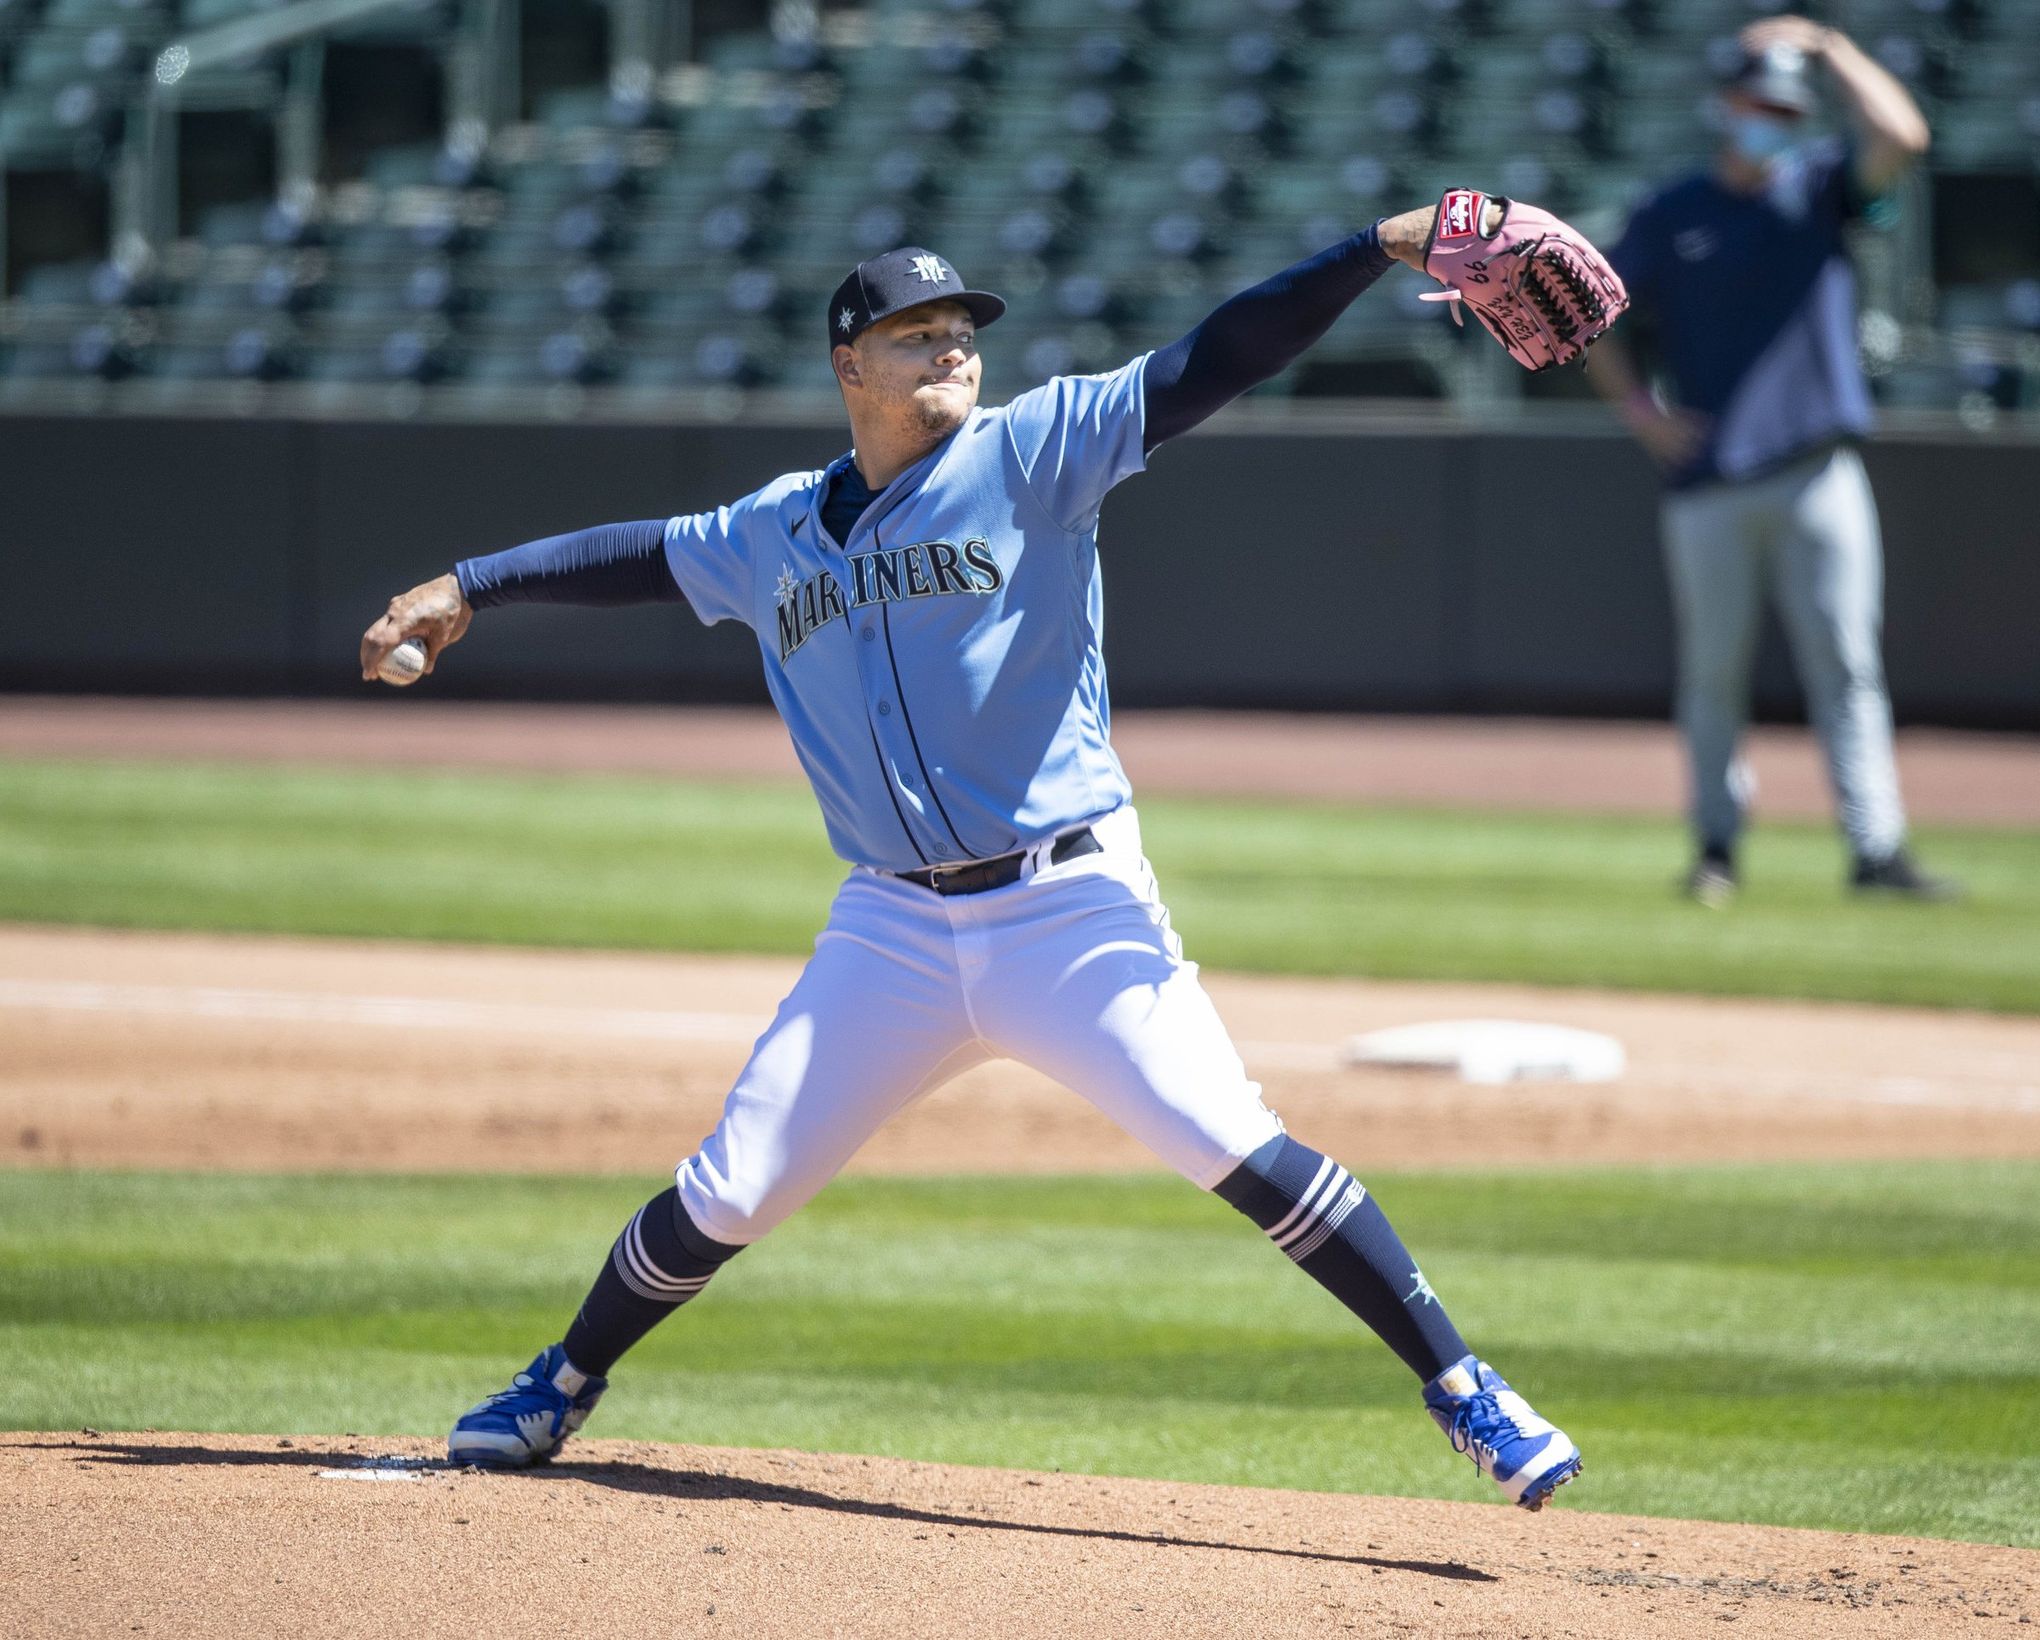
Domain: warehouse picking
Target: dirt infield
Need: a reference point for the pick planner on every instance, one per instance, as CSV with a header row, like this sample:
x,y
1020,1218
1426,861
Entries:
x,y
1475,762
208,1051
167,1534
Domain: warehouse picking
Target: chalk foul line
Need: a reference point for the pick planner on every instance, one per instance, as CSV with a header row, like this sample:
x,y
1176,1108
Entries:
x,y
406,1013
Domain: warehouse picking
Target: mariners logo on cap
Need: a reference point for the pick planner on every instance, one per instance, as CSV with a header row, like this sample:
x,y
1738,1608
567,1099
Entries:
x,y
881,286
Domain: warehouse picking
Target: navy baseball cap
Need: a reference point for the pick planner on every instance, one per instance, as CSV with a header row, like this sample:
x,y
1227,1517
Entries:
x,y
896,281
1778,79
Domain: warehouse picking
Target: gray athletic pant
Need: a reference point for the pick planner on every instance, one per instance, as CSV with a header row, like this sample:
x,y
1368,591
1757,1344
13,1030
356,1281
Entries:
x,y
1810,533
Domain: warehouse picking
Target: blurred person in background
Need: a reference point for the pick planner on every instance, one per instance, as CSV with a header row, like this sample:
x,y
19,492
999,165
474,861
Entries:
x,y
1742,272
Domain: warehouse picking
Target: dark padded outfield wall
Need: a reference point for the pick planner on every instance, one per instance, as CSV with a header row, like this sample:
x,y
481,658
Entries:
x,y
393,506
1312,566
150,550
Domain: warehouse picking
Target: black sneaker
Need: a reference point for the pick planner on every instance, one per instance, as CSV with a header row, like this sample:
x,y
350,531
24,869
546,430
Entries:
x,y
1712,882
1897,876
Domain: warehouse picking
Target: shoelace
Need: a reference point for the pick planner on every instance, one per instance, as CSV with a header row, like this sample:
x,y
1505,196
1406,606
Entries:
x,y
1496,1426
522,1385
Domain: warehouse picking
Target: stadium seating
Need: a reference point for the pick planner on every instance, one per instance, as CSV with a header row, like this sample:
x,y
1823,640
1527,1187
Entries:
x,y
1116,166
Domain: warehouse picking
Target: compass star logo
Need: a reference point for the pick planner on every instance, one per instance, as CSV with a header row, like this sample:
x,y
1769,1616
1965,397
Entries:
x,y
845,320
930,270
1422,1289
786,588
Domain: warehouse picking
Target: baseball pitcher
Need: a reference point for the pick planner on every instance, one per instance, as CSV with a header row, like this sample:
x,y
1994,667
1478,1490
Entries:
x,y
928,610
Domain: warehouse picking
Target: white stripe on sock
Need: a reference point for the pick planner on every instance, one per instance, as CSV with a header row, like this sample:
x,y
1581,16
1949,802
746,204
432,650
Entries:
x,y
644,1277
648,1268
659,1296
1350,1199
1326,1167
1334,1185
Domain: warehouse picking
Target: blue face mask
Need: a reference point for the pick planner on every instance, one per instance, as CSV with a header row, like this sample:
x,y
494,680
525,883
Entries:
x,y
1760,138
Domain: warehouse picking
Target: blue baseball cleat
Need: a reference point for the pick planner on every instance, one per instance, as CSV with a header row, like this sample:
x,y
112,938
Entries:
x,y
1494,1426
531,1420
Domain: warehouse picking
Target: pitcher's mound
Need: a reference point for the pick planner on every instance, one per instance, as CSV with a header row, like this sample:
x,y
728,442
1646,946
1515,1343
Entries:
x,y
316,1535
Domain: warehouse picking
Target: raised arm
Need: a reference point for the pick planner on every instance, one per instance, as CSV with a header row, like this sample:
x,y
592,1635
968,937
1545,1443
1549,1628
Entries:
x,y
1891,132
608,565
1259,333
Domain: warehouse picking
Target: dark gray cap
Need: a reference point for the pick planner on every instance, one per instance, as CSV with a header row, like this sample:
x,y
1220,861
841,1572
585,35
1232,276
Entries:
x,y
1776,77
896,281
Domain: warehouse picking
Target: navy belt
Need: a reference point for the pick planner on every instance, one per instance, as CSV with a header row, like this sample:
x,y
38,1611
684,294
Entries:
x,y
1002,870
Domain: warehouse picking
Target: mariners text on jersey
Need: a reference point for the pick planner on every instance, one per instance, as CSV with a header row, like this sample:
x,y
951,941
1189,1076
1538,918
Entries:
x,y
923,569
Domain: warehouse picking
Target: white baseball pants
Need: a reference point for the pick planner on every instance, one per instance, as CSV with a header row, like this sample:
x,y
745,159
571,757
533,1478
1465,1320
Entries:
x,y
1073,970
1810,532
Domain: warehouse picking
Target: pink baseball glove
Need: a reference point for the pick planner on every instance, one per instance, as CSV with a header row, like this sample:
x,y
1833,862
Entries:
x,y
1544,291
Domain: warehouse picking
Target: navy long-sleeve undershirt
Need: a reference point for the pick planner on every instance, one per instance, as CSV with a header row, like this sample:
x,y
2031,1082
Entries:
x,y
1256,335
609,564
1243,342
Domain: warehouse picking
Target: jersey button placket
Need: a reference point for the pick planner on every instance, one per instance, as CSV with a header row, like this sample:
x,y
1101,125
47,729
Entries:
x,y
874,671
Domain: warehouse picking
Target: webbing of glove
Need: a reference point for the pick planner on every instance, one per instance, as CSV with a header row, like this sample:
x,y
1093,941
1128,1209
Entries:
x,y
1536,283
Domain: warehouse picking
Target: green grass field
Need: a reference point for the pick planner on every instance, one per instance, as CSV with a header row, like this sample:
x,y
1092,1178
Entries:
x,y
1847,1347
588,861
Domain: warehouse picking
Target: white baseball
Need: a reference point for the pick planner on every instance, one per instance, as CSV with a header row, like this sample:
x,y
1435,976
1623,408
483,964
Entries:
x,y
404,664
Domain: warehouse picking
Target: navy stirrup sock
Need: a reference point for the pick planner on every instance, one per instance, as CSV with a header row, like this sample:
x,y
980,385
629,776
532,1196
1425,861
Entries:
x,y
659,1262
1321,1216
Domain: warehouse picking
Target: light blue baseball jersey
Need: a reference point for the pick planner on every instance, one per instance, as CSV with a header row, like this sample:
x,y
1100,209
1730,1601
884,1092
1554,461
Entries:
x,y
941,672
